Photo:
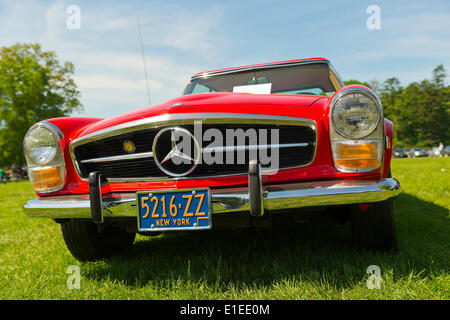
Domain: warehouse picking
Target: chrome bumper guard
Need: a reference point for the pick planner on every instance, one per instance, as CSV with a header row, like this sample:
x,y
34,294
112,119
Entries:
x,y
275,198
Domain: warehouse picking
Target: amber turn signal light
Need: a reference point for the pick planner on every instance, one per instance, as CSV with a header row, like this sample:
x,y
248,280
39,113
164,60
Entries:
x,y
46,178
360,156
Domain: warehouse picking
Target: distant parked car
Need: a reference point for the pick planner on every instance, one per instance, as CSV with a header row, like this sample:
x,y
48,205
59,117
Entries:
x,y
399,153
446,151
435,152
417,152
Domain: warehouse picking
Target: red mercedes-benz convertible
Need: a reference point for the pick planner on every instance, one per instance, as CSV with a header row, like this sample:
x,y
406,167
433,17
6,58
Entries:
x,y
242,147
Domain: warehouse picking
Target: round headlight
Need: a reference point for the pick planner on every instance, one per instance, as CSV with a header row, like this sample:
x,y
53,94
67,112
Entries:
x,y
356,114
40,145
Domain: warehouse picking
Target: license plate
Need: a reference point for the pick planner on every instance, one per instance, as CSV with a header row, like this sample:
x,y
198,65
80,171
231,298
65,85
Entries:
x,y
187,209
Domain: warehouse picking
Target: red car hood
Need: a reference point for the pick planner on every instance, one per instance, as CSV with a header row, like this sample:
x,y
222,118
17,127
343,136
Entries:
x,y
283,105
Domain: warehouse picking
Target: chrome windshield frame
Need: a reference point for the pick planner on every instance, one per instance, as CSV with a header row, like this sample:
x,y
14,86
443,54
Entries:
x,y
206,75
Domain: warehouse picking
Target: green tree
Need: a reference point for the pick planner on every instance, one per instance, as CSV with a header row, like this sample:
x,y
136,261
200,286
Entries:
x,y
34,86
374,84
436,116
439,75
352,81
425,111
391,98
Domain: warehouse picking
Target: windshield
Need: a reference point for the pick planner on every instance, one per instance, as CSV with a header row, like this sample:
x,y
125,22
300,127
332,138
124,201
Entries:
x,y
301,79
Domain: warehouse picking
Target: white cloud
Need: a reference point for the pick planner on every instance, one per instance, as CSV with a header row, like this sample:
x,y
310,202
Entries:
x,y
184,30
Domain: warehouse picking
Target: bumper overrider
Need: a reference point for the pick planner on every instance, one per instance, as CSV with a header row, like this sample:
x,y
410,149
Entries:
x,y
255,198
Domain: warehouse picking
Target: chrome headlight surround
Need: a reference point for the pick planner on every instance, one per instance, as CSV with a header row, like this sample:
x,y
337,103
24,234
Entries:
x,y
46,166
361,152
354,106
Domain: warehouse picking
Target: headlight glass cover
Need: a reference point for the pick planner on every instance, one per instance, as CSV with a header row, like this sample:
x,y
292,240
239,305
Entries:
x,y
355,114
40,145
45,158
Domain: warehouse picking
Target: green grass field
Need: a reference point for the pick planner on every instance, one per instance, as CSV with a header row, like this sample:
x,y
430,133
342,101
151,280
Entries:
x,y
316,261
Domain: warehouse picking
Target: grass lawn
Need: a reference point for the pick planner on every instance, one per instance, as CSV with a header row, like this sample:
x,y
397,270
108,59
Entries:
x,y
316,261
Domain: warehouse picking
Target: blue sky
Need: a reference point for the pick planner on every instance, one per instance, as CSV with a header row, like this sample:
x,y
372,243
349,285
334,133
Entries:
x,y
185,37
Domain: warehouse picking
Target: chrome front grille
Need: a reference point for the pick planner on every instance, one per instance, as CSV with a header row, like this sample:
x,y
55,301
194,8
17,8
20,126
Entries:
x,y
104,151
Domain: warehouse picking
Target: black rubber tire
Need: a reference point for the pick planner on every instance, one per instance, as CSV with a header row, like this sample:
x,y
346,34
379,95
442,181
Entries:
x,y
85,243
374,228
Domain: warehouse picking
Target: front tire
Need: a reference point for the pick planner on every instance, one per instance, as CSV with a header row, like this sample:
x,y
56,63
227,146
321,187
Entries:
x,y
86,243
374,228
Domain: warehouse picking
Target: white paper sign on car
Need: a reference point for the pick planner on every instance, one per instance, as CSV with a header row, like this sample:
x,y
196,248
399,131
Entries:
x,y
263,88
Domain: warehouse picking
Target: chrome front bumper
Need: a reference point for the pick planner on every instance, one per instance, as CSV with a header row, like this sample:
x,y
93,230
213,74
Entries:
x,y
275,198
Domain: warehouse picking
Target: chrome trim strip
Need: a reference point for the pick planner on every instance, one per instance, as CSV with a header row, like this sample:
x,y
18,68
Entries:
x,y
188,118
55,128
144,155
141,155
255,147
387,143
276,198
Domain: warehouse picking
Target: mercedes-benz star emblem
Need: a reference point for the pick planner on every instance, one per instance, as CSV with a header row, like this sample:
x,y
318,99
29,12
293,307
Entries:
x,y
176,151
